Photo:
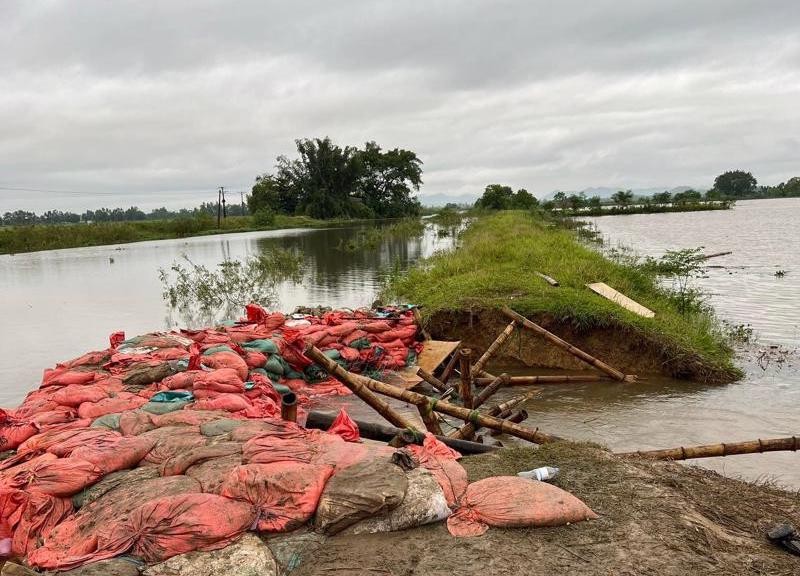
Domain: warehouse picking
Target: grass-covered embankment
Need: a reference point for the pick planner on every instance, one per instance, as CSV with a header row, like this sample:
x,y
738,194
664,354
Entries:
x,y
18,239
496,263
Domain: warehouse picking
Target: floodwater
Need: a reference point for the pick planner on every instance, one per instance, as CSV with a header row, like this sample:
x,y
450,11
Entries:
x,y
56,305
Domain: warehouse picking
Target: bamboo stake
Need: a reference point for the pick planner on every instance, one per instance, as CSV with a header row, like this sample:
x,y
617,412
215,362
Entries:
x,y
429,419
451,365
493,387
358,388
549,279
432,380
546,379
501,411
466,377
494,347
516,416
577,352
792,443
418,320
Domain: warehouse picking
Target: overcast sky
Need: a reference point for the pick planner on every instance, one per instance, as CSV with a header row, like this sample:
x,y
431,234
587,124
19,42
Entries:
x,y
159,103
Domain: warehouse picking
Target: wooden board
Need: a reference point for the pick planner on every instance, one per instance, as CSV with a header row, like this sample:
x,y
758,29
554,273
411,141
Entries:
x,y
608,292
433,354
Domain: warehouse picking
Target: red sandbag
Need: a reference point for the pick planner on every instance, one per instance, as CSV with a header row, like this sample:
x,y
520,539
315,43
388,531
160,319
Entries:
x,y
61,442
344,426
135,422
12,434
170,353
75,395
116,338
286,494
188,418
171,441
267,427
315,447
61,415
211,473
124,453
224,380
41,514
120,403
376,326
57,477
257,315
227,402
181,380
441,461
232,360
89,359
180,463
514,502
62,377
255,359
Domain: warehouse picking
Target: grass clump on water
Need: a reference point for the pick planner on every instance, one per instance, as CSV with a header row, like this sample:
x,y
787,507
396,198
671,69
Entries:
x,y
496,265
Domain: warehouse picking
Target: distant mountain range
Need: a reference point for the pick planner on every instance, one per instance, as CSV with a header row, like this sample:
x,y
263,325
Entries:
x,y
602,191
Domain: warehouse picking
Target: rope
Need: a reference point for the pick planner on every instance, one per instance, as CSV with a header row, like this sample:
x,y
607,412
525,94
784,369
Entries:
x,y
418,437
473,417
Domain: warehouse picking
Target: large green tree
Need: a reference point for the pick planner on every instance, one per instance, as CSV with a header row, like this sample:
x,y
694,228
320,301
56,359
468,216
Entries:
x,y
496,197
736,184
387,179
622,197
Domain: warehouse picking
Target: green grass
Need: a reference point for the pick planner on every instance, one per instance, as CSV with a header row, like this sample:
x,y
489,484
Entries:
x,y
18,239
495,265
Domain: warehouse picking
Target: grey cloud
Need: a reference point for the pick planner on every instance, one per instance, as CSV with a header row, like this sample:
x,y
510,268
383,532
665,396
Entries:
x,y
128,99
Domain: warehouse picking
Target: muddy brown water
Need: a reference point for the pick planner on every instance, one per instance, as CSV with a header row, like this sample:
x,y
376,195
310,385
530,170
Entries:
x,y
58,304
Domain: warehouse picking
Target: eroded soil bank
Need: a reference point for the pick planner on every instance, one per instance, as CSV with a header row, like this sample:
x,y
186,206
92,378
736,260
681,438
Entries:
x,y
655,518
622,346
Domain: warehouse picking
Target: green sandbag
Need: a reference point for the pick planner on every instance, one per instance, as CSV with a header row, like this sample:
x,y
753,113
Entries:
x,y
360,344
219,427
264,346
293,375
110,421
172,396
274,365
314,373
281,389
333,354
215,349
165,407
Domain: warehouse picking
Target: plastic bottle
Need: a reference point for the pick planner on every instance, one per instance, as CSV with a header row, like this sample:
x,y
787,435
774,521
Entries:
x,y
542,474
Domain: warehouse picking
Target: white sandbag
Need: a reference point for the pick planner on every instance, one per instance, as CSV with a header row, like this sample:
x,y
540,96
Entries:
x,y
248,556
424,503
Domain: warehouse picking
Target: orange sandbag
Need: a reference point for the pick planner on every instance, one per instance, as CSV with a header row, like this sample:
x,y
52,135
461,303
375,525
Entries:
x,y
226,402
120,403
267,427
188,418
344,426
435,456
255,359
376,326
222,380
41,514
67,439
514,502
63,377
67,443
12,434
135,422
172,441
123,454
77,394
227,360
89,359
57,477
315,447
181,380
286,493
179,463
61,415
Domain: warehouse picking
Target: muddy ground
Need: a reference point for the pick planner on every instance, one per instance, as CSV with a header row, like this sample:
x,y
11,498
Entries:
x,y
655,518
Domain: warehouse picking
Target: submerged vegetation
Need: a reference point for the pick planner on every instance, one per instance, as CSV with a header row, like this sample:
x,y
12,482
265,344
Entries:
x,y
497,263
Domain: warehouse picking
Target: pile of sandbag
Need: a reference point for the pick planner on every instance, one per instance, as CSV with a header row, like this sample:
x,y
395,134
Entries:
x,y
171,445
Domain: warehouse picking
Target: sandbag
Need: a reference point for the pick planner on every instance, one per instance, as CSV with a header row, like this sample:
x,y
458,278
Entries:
x,y
119,403
189,418
360,491
264,346
62,377
313,447
219,427
179,463
124,453
424,503
226,402
286,494
212,473
171,442
108,421
66,443
56,477
60,415
75,395
441,461
226,380
344,426
514,502
181,380
112,481
41,514
227,360
248,556
136,422
267,427
12,434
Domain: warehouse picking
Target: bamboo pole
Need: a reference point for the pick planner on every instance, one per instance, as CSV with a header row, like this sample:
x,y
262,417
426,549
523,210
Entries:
x,y
546,379
376,431
429,419
494,347
516,416
289,407
451,365
792,443
501,411
549,279
358,388
466,377
432,380
577,352
493,387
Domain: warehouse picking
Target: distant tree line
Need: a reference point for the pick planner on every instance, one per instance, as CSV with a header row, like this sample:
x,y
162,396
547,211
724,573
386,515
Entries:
x,y
132,214
498,197
328,181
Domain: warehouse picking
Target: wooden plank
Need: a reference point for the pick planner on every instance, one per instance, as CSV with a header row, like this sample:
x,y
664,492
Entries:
x,y
609,293
434,352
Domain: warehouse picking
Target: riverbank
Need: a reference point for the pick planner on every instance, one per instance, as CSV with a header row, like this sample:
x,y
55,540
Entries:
x,y
651,208
655,518
496,264
21,239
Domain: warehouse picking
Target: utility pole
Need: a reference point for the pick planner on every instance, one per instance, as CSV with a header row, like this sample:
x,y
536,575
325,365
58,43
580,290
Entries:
x,y
224,211
219,199
241,193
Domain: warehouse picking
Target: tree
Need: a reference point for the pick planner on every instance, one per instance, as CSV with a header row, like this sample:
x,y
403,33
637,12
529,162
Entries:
x,y
496,197
577,201
622,198
560,199
736,184
595,203
687,197
387,179
524,200
662,197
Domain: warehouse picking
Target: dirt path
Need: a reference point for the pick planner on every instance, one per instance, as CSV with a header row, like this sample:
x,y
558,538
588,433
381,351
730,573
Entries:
x,y
655,518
